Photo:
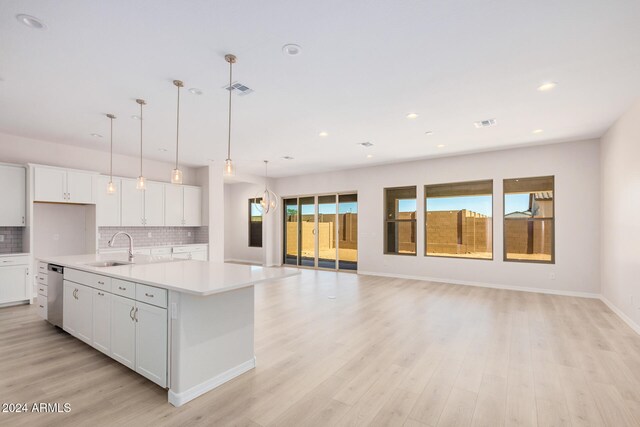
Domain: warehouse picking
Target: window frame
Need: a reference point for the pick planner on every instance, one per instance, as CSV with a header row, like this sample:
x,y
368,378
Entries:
x,y
386,221
424,196
553,222
253,201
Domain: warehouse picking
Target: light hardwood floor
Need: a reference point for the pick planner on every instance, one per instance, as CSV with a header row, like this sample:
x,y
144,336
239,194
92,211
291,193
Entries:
x,y
386,352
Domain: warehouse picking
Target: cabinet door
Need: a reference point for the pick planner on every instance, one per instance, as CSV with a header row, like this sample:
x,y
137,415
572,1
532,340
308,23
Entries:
x,y
173,205
13,283
107,205
199,255
84,314
80,187
151,343
13,196
154,204
50,185
69,308
182,255
123,327
131,207
102,321
193,206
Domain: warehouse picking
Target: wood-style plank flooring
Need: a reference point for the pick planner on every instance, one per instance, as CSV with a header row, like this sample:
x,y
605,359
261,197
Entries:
x,y
384,352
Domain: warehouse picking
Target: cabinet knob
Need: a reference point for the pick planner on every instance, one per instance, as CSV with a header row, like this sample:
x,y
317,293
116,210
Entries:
x,y
148,295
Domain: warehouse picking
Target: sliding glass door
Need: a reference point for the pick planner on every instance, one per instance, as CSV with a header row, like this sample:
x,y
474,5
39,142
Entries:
x,y
321,231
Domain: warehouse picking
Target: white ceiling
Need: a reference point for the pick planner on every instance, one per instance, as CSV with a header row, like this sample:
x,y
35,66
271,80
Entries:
x,y
365,65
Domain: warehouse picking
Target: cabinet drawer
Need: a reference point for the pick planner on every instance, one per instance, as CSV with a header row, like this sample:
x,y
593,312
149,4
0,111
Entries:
x,y
193,248
42,279
124,288
13,260
42,267
151,295
90,279
160,251
142,251
41,306
42,289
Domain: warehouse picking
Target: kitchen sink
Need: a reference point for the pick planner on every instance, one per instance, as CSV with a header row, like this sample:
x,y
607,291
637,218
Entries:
x,y
107,263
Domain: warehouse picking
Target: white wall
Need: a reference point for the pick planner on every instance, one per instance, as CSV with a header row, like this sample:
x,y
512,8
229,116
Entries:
x,y
61,229
236,227
620,157
16,149
576,169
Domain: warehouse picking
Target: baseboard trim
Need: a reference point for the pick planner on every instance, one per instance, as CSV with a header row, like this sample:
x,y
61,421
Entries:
x,y
179,399
626,319
484,285
243,261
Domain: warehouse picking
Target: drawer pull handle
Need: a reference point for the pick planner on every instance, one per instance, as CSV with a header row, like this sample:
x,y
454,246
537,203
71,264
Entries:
x,y
101,294
100,283
131,314
121,288
148,295
42,306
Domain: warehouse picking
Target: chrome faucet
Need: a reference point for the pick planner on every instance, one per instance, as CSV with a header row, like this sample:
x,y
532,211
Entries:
x,y
113,239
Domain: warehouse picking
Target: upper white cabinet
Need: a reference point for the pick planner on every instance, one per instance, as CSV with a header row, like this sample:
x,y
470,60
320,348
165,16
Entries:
x,y
154,204
183,205
13,196
132,204
108,205
62,185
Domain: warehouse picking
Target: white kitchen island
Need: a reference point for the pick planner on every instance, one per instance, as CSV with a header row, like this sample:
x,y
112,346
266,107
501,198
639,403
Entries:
x,y
186,325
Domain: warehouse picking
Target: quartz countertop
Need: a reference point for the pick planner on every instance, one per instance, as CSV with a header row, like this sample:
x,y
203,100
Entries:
x,y
200,278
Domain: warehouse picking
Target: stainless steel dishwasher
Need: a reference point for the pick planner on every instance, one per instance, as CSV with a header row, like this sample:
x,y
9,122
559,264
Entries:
x,y
54,294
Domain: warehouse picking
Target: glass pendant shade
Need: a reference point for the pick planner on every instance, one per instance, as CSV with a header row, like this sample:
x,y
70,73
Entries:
x,y
141,183
176,176
111,188
229,168
268,201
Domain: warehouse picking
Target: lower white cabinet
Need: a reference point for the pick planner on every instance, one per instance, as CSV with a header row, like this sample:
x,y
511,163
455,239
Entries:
x,y
13,281
77,311
102,321
151,342
123,325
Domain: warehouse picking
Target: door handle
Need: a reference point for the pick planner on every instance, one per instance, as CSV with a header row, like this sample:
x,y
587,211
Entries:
x,y
131,314
135,314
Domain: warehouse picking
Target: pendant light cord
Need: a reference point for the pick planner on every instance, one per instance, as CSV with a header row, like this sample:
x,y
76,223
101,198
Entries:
x,y
111,153
141,138
230,90
177,126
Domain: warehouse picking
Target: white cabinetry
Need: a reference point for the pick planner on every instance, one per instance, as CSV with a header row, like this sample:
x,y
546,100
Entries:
x,y
154,204
108,205
62,185
13,196
196,252
183,205
77,309
151,342
14,274
102,321
142,207
123,341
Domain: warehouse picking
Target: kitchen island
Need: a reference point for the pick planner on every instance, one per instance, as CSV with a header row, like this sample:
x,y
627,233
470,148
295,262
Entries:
x,y
186,325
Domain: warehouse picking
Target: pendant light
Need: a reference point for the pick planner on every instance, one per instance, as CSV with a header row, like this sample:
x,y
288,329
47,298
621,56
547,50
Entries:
x,y
229,169
268,199
111,188
141,184
176,174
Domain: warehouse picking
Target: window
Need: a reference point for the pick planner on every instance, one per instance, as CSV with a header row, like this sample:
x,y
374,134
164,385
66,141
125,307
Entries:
x,y
529,219
459,220
291,231
255,223
400,221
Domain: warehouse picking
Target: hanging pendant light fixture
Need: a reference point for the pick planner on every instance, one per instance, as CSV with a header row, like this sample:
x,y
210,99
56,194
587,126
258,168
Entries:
x,y
176,174
229,169
141,184
268,199
111,188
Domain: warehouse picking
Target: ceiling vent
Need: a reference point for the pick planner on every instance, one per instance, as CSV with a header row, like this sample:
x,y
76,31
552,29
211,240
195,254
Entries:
x,y
485,123
366,144
239,88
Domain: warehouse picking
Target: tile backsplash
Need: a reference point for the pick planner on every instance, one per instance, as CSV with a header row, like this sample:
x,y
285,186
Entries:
x,y
153,236
11,240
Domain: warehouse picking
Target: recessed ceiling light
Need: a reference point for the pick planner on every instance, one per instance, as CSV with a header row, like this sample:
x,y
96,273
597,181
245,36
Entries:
x,y
366,144
287,158
440,145
547,86
96,135
162,149
135,117
323,134
195,91
412,116
369,156
485,123
538,131
429,133
291,49
31,21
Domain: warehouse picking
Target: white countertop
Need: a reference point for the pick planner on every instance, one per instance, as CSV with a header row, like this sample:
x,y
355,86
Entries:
x,y
15,254
193,277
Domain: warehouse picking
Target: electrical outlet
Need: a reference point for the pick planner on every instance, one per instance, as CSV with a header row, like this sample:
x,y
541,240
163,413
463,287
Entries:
x,y
188,234
149,234
552,276
1,237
